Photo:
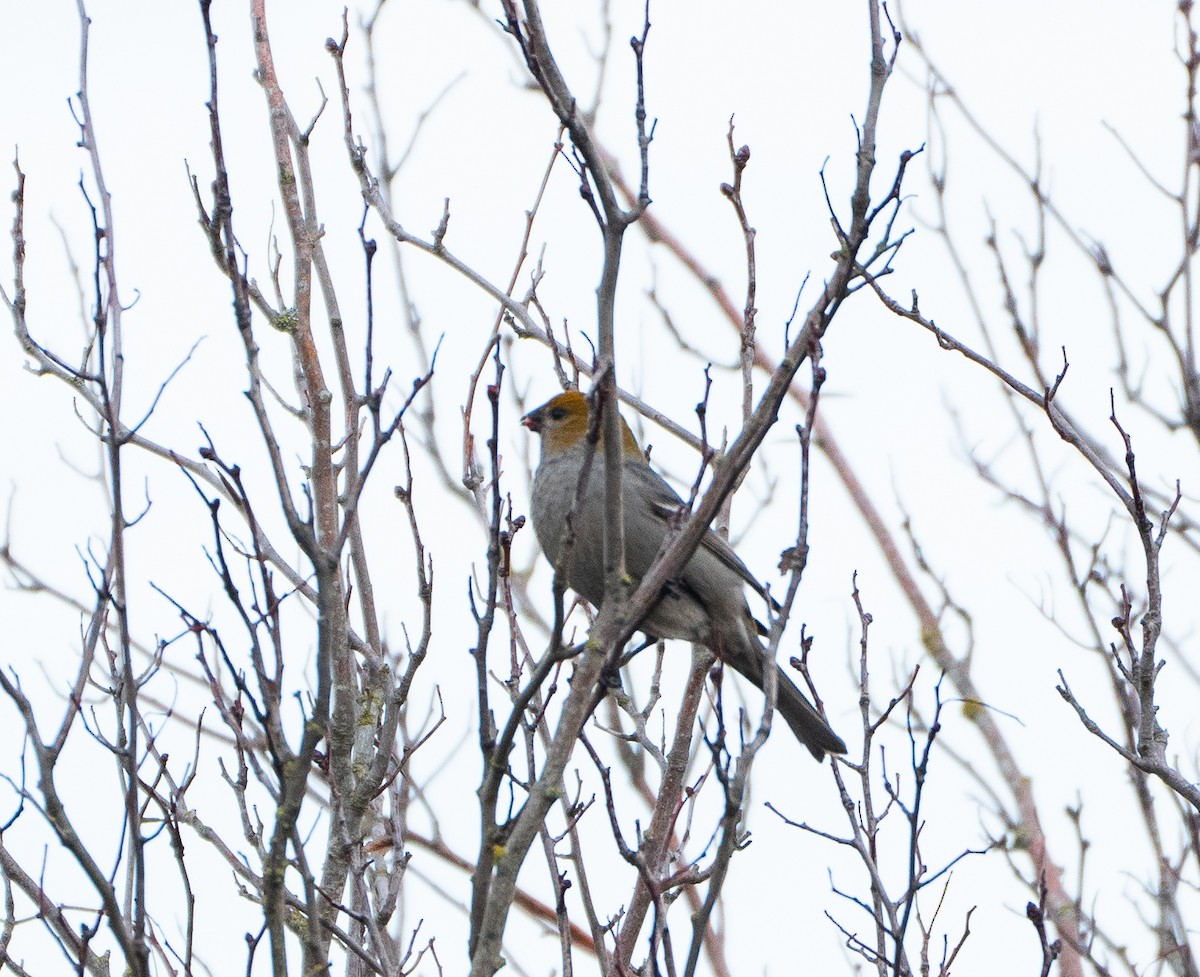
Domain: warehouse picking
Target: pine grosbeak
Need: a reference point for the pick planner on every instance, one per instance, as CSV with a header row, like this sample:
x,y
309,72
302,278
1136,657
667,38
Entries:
x,y
704,604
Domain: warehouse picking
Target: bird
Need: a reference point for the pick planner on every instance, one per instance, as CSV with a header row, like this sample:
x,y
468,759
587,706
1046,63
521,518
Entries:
x,y
704,604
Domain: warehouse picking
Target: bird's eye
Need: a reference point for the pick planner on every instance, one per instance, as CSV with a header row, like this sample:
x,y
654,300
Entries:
x,y
558,413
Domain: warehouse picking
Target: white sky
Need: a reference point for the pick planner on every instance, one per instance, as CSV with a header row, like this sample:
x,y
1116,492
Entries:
x,y
792,75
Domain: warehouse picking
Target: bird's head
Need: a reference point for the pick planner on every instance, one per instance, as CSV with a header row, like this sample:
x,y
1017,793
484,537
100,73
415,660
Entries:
x,y
562,423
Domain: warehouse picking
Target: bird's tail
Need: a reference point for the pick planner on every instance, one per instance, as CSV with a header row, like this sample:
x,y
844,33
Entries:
x,y
813,732
808,725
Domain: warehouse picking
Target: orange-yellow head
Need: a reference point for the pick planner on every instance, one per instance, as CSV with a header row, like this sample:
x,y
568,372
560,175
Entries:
x,y
562,423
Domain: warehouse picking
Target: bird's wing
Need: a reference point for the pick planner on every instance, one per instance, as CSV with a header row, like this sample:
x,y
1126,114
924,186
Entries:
x,y
665,502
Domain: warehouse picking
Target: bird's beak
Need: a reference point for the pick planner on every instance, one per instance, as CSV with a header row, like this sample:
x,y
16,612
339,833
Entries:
x,y
533,422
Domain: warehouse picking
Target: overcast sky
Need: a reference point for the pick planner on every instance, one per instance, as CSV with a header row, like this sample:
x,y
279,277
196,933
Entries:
x,y
1085,76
